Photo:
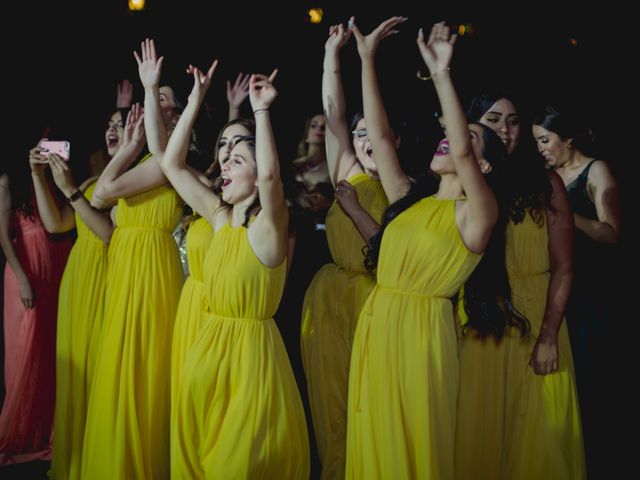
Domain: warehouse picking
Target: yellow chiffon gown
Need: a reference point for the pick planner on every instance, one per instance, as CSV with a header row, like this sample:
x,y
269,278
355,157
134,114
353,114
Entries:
x,y
330,313
403,382
193,300
544,432
482,386
127,433
239,412
79,322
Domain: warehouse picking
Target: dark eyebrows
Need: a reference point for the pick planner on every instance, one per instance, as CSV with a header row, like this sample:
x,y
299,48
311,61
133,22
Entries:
x,y
234,138
493,112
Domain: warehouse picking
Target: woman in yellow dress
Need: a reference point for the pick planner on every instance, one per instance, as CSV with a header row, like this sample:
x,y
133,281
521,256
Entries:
x,y
337,292
518,415
127,433
404,370
239,413
80,298
193,298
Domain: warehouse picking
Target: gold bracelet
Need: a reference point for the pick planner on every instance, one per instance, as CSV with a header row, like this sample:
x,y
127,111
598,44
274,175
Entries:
x,y
419,75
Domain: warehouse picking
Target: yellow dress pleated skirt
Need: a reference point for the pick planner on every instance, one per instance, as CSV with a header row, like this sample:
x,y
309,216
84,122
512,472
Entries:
x,y
127,433
403,381
239,412
192,307
544,431
330,313
79,321
480,431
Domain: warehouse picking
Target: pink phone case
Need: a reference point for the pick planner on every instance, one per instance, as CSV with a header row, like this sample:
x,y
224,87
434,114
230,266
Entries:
x,y
61,147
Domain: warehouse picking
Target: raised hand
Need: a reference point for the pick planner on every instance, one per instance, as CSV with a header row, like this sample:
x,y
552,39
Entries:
x,y
438,50
239,91
262,93
125,94
134,134
149,66
367,45
37,159
201,82
62,174
338,37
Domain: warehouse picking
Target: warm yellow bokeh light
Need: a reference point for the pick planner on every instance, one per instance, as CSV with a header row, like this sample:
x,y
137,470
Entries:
x,y
462,29
315,15
136,5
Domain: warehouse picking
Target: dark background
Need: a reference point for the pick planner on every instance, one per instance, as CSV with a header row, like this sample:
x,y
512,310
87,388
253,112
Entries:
x,y
62,61
63,66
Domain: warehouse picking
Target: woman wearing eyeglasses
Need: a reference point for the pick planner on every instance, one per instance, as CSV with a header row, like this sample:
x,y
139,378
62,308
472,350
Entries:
x,y
335,297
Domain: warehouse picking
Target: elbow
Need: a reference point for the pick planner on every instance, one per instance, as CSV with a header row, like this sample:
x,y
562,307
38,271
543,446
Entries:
x,y
563,269
54,227
614,237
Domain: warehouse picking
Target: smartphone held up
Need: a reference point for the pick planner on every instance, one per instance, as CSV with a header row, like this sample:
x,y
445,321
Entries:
x,y
60,147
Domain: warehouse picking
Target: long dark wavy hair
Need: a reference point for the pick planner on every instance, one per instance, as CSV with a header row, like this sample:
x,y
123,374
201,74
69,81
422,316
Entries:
x,y
524,189
527,188
16,167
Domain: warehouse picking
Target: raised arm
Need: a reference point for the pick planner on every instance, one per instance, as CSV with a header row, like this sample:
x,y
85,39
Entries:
x,y
269,237
237,93
99,222
395,182
55,219
124,97
116,181
482,207
341,159
544,358
174,160
26,292
149,68
606,198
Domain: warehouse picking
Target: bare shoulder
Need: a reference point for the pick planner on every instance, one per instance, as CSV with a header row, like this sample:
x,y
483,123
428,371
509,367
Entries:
x,y
600,173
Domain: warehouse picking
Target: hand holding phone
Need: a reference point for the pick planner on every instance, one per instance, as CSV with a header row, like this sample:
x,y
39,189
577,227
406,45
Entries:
x,y
61,147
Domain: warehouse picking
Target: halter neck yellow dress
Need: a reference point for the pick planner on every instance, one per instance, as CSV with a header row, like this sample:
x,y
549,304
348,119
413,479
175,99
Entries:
x,y
79,322
403,382
330,313
239,413
127,433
